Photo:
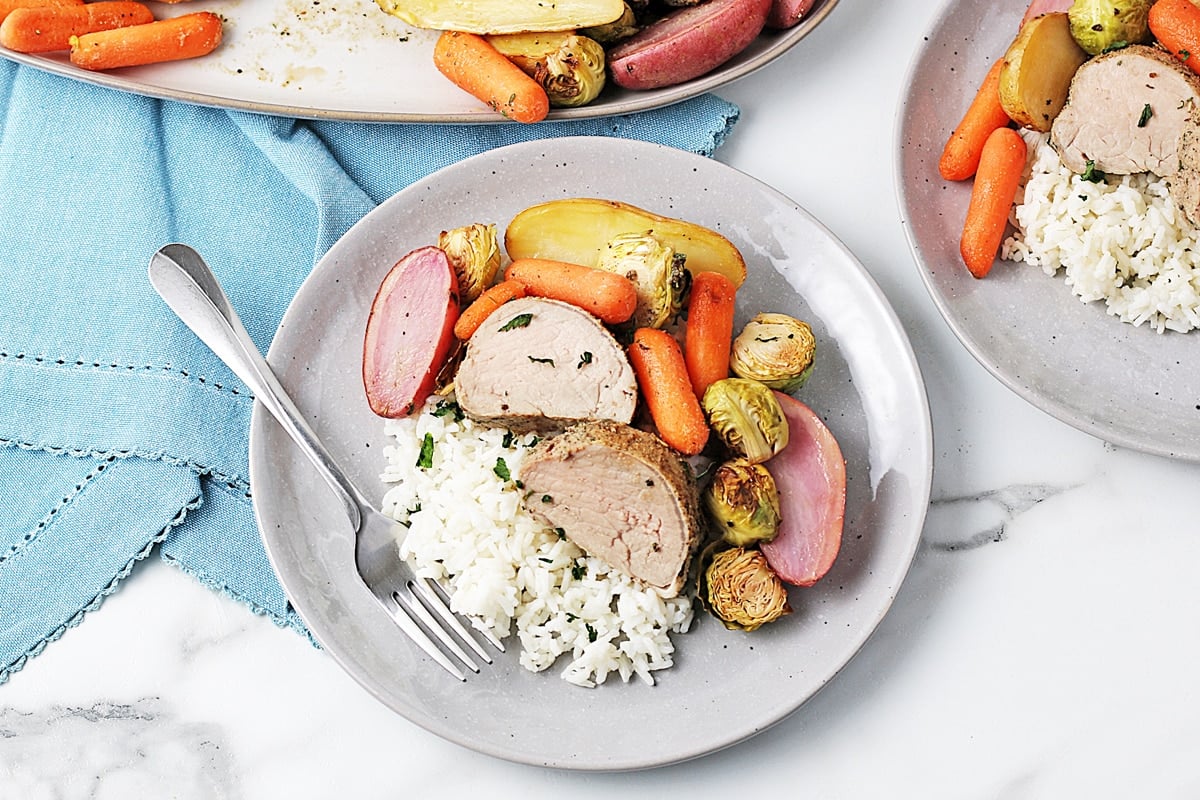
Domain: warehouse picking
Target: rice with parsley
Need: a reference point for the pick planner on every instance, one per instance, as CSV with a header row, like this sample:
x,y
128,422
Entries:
x,y
455,485
1120,240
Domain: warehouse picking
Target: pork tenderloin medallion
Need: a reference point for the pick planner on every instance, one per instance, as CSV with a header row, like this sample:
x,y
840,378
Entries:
x,y
620,494
1125,113
538,364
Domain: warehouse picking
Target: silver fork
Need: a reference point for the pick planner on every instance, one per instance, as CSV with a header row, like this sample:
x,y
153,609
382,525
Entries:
x,y
418,605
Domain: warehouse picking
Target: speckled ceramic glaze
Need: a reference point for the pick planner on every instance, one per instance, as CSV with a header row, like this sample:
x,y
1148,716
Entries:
x,y
1129,386
726,686
350,60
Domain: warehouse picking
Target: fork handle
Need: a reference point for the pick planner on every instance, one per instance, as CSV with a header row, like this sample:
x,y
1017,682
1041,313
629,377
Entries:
x,y
189,287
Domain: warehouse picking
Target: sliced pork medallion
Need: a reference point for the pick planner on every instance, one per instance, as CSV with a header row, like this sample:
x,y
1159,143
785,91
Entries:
x,y
621,495
1125,113
542,364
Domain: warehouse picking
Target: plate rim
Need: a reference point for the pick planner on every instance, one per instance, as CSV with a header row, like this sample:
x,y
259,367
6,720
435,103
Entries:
x,y
920,444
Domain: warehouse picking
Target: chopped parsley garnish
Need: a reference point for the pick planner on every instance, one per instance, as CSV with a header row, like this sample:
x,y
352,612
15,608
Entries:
x,y
547,498
501,470
1091,174
578,570
1146,115
766,338
519,321
507,440
591,631
536,360
586,358
425,460
561,533
448,407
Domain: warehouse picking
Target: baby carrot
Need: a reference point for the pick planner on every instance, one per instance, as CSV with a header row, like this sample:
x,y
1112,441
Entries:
x,y
662,376
477,67
1176,25
709,334
43,30
491,299
607,295
8,6
1000,169
186,36
960,158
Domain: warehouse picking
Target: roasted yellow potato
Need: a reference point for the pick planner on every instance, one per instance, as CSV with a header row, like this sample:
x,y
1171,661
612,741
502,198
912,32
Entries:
x,y
577,229
504,16
1037,71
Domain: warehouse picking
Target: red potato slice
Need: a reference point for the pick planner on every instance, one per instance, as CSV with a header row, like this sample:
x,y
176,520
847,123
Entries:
x,y
1039,7
810,474
687,43
788,13
409,331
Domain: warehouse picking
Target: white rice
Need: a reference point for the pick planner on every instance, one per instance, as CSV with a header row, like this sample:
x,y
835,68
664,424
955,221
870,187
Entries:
x,y
1122,241
467,529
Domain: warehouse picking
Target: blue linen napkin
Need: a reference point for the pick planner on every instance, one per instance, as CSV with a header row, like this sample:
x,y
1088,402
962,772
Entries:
x,y
120,433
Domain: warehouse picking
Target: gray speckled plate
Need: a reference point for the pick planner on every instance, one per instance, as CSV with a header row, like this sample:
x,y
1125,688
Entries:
x,y
725,686
349,60
1128,386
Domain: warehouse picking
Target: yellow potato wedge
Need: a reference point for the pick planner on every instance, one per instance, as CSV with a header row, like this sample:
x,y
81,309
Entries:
x,y
576,229
503,16
1037,71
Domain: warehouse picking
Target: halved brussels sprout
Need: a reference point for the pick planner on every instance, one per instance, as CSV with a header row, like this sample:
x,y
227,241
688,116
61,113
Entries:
x,y
746,416
744,502
474,252
568,66
776,350
739,587
1099,25
657,272
614,31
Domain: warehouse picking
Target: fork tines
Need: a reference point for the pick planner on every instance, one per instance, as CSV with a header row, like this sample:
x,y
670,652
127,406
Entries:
x,y
416,607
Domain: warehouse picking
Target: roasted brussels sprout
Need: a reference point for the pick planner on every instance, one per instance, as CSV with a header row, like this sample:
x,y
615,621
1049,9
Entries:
x,y
743,501
776,350
474,252
1099,25
739,588
569,67
614,31
656,270
747,417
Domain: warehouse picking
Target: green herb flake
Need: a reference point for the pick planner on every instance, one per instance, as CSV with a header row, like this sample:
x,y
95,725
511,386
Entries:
x,y
448,408
1145,117
537,360
507,440
519,321
765,339
501,470
1091,174
586,358
547,498
590,631
560,533
578,571
425,460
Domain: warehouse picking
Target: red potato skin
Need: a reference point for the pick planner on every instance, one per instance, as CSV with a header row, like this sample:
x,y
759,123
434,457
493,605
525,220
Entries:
x,y
788,13
1039,7
409,332
810,474
687,43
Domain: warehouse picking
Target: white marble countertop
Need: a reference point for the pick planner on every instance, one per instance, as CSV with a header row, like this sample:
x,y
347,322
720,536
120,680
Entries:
x,y
1044,644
